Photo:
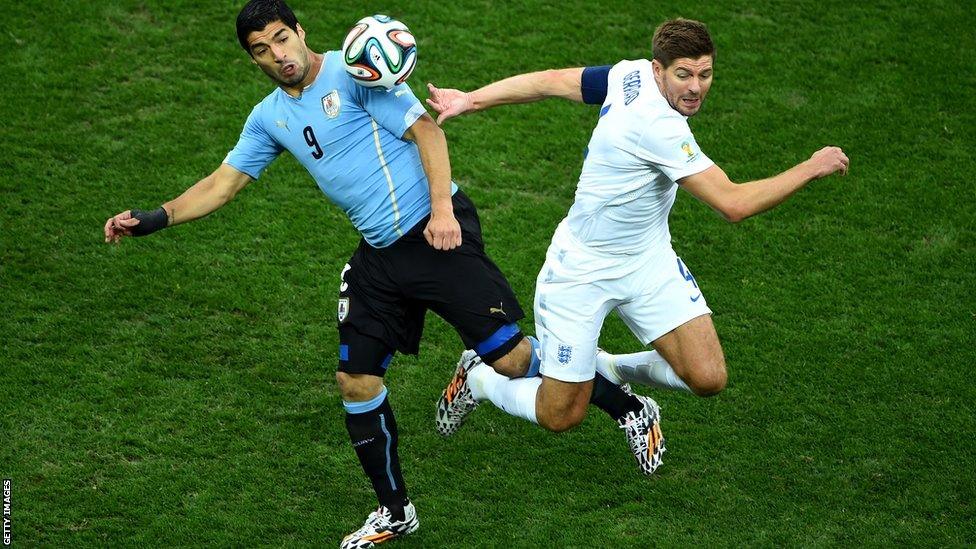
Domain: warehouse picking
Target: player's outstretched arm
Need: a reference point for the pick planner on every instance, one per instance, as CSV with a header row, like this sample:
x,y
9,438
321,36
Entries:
x,y
738,201
523,88
207,195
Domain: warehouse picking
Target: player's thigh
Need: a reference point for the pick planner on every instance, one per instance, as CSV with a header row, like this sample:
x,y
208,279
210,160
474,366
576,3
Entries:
x,y
561,405
467,290
363,361
694,352
670,312
370,301
694,341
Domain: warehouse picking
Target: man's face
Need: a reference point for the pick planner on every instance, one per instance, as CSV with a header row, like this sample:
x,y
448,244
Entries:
x,y
281,53
685,83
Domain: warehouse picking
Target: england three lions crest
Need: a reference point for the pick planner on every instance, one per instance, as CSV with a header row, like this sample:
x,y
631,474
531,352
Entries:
x,y
564,353
331,104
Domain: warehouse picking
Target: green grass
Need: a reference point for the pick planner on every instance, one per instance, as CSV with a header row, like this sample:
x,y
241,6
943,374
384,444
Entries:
x,y
178,389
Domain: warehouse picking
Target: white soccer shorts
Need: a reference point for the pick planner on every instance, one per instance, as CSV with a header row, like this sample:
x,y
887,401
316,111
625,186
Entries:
x,y
577,288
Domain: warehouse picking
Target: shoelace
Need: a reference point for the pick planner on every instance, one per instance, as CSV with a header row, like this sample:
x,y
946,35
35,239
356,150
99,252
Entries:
x,y
380,513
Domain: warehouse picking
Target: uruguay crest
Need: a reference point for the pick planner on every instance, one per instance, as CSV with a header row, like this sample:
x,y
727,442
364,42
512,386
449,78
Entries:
x,y
331,104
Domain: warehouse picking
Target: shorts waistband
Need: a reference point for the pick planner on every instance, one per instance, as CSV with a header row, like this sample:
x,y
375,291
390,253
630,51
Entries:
x,y
564,236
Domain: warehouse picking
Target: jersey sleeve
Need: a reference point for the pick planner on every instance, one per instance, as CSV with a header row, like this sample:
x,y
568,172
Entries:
x,y
593,84
396,109
670,146
255,148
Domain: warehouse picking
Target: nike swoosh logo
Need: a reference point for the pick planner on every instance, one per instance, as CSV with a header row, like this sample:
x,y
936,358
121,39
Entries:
x,y
399,93
696,298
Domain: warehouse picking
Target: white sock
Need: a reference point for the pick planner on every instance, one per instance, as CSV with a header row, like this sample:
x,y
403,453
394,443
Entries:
x,y
645,368
515,396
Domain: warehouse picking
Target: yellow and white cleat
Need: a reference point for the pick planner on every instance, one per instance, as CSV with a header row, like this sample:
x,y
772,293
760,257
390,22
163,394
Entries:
x,y
380,527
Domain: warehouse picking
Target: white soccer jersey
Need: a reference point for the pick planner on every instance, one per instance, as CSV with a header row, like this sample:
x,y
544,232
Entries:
x,y
638,149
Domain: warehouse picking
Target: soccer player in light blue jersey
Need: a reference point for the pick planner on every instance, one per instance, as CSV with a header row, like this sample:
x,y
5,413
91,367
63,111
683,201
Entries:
x,y
383,160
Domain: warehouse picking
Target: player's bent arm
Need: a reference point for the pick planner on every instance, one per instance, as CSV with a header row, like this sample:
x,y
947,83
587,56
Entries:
x,y
207,195
443,232
736,202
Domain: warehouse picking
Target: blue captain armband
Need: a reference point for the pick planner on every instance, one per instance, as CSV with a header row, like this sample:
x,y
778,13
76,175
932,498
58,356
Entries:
x,y
593,84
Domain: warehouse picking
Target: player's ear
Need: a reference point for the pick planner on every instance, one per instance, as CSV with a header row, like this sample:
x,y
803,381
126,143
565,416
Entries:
x,y
658,68
300,30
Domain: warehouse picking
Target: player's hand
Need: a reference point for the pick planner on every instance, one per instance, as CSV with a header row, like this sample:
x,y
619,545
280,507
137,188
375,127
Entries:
x,y
119,225
443,232
448,102
827,161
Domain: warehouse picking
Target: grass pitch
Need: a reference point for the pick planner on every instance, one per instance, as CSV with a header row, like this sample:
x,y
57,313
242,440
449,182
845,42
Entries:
x,y
178,389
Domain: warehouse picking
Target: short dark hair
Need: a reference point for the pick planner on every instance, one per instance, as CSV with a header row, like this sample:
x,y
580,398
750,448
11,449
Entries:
x,y
257,14
677,38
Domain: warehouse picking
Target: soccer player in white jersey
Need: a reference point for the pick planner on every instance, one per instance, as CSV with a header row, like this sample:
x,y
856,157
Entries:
x,y
383,160
613,250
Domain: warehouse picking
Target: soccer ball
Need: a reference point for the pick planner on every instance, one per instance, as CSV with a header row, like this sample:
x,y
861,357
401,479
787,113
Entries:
x,y
379,52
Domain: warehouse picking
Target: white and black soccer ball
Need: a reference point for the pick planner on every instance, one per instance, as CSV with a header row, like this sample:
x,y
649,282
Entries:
x,y
379,52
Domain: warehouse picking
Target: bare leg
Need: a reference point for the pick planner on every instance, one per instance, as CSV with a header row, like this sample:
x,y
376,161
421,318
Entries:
x,y
561,405
695,354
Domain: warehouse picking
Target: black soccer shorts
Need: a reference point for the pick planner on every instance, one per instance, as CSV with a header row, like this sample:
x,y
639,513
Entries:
x,y
386,292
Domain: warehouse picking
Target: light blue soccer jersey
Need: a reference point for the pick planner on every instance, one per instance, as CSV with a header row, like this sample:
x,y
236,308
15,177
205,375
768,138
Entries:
x,y
348,137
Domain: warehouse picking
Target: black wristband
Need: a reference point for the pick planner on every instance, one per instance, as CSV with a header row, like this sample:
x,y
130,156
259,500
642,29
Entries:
x,y
149,222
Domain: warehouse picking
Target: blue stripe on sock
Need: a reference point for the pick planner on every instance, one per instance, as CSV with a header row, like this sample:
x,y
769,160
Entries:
x,y
368,406
386,361
389,442
343,352
496,339
534,361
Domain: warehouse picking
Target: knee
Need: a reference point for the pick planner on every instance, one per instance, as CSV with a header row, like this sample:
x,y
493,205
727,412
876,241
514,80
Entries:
x,y
709,379
358,387
516,362
563,419
560,424
509,366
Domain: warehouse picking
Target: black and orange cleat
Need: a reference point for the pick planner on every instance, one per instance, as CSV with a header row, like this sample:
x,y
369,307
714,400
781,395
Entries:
x,y
456,401
643,430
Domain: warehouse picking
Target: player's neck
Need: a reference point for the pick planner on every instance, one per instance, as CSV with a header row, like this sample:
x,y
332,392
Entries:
x,y
315,66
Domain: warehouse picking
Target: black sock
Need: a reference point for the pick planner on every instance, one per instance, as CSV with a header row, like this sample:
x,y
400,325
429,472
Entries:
x,y
612,399
374,437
